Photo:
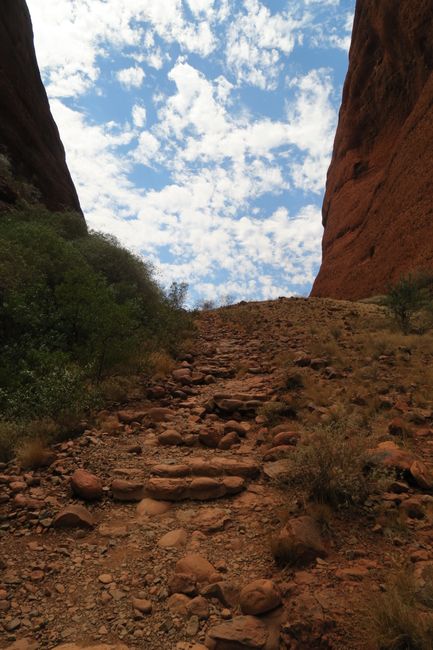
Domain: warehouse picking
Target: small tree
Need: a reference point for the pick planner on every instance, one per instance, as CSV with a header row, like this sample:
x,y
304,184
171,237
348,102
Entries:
x,y
404,299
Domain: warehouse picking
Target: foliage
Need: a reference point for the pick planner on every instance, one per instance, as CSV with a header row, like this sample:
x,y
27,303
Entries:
x,y
74,307
405,298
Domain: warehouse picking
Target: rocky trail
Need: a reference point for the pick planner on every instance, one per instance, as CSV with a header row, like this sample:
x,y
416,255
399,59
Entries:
x,y
153,529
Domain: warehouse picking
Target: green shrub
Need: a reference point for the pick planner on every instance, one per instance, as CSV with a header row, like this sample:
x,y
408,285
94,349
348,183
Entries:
x,y
75,307
406,298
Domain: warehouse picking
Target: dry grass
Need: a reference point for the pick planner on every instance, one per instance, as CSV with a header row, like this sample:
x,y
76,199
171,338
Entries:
x,y
161,364
329,467
396,619
32,453
10,434
115,389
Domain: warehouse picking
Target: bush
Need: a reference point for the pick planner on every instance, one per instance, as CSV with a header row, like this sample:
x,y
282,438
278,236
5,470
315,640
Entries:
x,y
404,299
75,307
329,466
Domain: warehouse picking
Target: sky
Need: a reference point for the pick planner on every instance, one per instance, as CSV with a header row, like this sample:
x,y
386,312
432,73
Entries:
x,y
199,132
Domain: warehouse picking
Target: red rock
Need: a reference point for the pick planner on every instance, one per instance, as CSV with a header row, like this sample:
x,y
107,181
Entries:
x,y
167,489
210,438
422,475
377,207
237,427
27,129
170,437
204,488
229,440
160,414
299,542
74,516
241,633
196,565
151,507
285,438
183,583
127,490
85,485
226,592
233,484
259,597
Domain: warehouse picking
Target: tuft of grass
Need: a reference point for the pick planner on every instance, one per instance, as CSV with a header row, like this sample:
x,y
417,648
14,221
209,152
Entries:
x,y
9,436
329,467
32,453
396,618
275,412
161,364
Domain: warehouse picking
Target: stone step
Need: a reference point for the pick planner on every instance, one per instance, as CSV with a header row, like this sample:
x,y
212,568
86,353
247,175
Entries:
x,y
199,489
247,468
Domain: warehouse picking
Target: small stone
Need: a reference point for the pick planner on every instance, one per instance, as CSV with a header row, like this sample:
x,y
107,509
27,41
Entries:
x,y
152,507
142,605
105,578
174,538
193,626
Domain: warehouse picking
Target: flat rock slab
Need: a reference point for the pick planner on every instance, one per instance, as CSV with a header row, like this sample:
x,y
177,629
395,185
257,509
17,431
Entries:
x,y
246,468
243,632
200,489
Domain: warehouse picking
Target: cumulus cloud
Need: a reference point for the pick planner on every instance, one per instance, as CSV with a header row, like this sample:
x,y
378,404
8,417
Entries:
x,y
216,188
131,77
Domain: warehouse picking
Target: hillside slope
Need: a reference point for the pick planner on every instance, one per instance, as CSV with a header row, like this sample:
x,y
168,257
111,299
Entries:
x,y
153,528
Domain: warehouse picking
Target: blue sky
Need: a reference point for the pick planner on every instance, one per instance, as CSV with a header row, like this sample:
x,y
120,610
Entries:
x,y
199,132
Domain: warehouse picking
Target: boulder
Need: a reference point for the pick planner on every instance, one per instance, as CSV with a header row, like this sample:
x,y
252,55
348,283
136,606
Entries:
x,y
259,597
74,516
299,542
85,485
197,566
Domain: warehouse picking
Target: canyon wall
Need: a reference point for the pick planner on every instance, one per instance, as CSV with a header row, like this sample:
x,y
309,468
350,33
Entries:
x,y
378,207
28,134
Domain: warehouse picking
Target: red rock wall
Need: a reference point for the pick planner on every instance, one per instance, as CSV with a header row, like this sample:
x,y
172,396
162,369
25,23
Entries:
x,y
28,133
378,207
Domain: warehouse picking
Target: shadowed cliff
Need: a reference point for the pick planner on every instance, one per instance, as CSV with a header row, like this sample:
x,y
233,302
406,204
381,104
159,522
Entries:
x,y
28,134
378,207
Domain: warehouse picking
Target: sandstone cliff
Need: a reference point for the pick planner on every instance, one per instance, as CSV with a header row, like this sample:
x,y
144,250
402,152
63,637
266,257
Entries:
x,y
378,207
28,133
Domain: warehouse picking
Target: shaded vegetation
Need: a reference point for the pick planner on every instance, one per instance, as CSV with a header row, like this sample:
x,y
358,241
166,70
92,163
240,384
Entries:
x,y
75,308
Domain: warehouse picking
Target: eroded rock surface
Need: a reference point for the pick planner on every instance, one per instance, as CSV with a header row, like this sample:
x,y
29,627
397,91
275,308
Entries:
x,y
377,209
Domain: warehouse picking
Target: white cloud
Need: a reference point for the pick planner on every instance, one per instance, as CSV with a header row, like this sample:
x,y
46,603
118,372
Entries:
x,y
225,170
131,77
256,41
139,115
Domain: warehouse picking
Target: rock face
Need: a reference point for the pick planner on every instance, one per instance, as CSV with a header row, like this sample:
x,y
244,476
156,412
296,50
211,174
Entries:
x,y
28,133
378,208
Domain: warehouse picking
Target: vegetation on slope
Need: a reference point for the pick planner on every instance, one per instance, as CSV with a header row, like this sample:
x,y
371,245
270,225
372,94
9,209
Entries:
x,y
75,308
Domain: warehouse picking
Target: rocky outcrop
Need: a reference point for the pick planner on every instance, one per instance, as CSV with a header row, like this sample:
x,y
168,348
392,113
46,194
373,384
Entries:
x,y
28,134
378,207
